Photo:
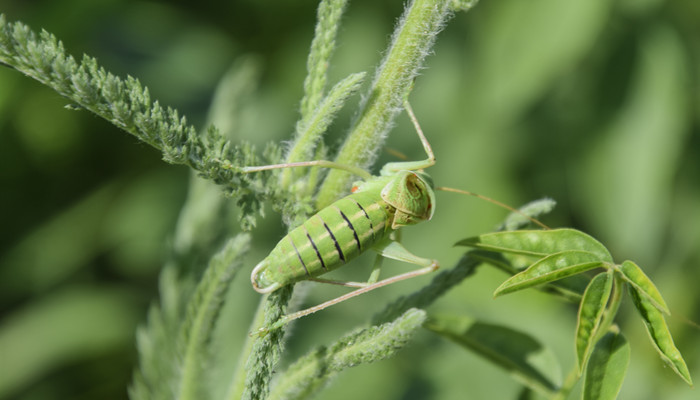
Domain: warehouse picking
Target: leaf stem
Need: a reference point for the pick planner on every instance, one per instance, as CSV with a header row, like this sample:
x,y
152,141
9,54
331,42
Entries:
x,y
569,382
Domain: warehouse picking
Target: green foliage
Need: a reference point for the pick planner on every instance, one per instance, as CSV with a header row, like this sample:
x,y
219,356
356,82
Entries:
x,y
558,259
659,334
180,375
590,315
610,359
516,352
522,98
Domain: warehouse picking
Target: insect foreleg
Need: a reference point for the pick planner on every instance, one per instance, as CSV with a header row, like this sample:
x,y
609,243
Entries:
x,y
394,167
316,163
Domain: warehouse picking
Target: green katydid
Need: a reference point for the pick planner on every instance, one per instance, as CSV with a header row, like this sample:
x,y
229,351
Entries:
x,y
402,194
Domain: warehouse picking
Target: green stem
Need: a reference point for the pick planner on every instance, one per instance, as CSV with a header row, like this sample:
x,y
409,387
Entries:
x,y
266,350
237,387
568,384
412,41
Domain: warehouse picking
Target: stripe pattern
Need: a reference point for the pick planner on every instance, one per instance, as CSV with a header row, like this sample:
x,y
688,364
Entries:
x,y
329,239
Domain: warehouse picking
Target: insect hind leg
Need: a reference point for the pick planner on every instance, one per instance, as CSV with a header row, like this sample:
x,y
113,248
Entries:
x,y
389,249
373,278
388,281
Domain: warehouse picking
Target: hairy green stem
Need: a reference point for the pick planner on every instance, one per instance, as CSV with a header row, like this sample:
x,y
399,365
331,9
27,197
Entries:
x,y
310,130
361,346
314,119
266,349
322,46
237,387
411,43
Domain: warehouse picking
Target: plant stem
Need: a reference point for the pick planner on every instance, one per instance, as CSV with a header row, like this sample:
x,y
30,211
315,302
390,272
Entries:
x,y
237,387
266,349
568,384
411,42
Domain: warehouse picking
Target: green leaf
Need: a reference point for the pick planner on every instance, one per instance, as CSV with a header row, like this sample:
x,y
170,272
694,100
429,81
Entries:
x,y
571,288
606,368
636,277
590,314
659,334
538,242
551,268
522,356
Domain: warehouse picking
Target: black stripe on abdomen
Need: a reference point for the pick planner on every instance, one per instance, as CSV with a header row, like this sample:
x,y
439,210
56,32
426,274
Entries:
x,y
301,260
352,228
371,226
335,241
318,253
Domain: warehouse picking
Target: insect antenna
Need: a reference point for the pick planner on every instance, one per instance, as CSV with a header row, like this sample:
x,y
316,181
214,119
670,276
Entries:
x,y
492,201
396,153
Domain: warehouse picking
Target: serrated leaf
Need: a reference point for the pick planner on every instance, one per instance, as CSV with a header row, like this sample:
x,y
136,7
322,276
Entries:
x,y
551,268
606,368
590,314
659,334
521,355
634,275
538,242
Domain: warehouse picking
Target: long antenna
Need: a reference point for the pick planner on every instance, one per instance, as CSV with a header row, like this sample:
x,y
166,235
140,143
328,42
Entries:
x,y
496,202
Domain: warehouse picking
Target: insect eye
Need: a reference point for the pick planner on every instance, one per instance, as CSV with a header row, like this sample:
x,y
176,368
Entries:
x,y
354,189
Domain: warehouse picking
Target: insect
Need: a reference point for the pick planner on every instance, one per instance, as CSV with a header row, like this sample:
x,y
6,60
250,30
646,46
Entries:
x,y
368,218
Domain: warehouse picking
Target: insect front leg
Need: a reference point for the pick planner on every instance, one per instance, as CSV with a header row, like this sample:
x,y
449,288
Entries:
x,y
393,167
316,163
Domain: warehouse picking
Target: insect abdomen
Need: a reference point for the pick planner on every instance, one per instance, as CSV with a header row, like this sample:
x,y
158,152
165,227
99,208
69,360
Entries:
x,y
333,236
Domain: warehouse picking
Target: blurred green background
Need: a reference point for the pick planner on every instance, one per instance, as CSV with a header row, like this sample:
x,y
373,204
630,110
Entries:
x,y
593,103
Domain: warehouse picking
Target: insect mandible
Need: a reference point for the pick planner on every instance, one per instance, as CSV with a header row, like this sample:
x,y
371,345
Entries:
x,y
402,194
